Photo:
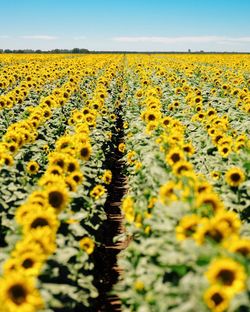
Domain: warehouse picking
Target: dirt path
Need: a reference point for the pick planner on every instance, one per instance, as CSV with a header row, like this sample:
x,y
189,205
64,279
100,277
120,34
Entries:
x,y
107,271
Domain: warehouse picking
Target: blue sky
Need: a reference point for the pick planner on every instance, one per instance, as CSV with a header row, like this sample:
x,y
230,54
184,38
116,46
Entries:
x,y
163,25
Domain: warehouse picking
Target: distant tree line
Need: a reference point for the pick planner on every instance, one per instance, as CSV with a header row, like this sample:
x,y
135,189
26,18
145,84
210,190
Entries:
x,y
85,51
54,51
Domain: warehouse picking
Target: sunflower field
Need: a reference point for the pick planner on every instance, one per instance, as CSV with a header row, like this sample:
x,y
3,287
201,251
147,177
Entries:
x,y
124,183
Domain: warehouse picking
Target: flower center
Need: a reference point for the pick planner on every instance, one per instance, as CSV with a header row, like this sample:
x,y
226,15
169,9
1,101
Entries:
x,y
17,294
28,263
235,177
55,199
175,157
226,276
217,299
39,222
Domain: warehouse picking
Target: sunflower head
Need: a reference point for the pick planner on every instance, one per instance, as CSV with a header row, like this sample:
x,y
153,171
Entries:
x,y
87,244
121,147
174,156
107,177
209,231
227,273
57,196
209,203
6,159
182,168
32,167
97,191
217,298
187,226
240,246
234,177
41,218
18,293
71,184
84,151
167,192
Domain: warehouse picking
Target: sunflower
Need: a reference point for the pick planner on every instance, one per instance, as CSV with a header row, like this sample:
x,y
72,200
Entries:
x,y
198,108
57,159
212,131
197,100
139,94
188,148
229,219
211,231
84,151
90,119
238,146
166,121
217,298
30,263
87,244
240,245
107,177
234,177
54,170
202,187
78,117
57,196
211,112
83,130
182,168
23,247
241,138
217,136
18,293
104,111
39,219
187,226
121,147
128,209
138,285
86,111
44,237
174,155
97,191
72,165
46,148
211,201
167,192
9,266
152,202
77,176
152,115
151,126
51,179
63,143
171,107
215,175
23,211
224,150
6,159
13,147
71,184
47,113
227,273
113,117
138,165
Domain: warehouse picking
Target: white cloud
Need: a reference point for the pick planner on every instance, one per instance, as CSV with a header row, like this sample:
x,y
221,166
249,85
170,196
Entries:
x,y
187,39
240,39
39,37
4,37
80,38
